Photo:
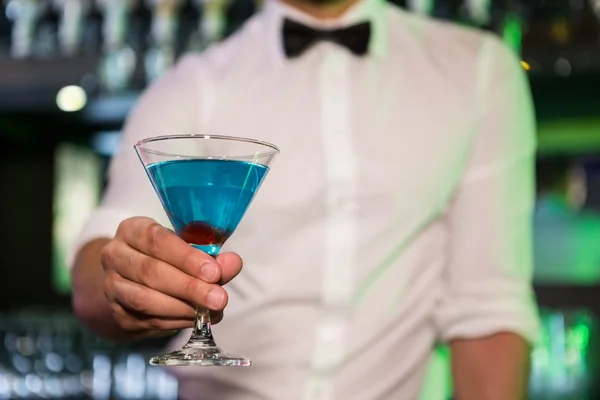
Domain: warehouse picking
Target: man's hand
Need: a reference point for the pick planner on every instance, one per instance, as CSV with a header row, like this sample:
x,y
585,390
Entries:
x,y
153,279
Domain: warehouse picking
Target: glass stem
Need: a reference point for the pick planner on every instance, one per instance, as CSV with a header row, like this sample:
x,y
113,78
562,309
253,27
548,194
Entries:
x,y
202,334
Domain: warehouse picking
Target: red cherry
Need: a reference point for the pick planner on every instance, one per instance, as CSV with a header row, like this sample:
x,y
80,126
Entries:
x,y
202,233
199,232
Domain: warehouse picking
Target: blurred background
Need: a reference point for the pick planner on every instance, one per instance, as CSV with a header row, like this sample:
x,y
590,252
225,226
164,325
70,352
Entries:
x,y
70,70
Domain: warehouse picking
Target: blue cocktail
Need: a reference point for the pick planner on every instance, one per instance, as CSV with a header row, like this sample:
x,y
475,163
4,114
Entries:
x,y
206,199
205,184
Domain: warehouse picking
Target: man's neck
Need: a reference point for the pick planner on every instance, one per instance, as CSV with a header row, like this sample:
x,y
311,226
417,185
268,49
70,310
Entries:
x,y
322,11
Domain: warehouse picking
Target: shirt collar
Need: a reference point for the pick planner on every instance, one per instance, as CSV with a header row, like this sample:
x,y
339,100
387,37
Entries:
x,y
275,12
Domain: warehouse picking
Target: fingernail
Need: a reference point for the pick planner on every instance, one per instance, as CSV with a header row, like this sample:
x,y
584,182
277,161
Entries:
x,y
209,271
215,298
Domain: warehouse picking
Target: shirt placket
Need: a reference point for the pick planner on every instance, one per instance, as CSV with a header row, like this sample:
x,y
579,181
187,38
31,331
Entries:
x,y
341,235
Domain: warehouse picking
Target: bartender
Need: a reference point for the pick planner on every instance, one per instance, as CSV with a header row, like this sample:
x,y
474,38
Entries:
x,y
397,214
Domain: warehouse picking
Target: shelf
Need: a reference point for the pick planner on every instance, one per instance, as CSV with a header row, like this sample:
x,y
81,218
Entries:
x,y
569,136
109,109
569,297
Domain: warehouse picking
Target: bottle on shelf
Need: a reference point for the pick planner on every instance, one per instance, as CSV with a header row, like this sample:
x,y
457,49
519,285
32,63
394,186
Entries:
x,y
424,7
119,60
212,23
72,19
161,54
25,15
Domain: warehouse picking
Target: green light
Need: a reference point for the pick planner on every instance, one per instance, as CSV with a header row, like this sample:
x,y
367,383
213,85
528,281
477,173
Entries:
x,y
579,336
78,184
560,358
437,384
513,32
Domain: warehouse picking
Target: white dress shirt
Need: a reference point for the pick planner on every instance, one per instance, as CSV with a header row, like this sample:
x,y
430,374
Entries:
x,y
398,212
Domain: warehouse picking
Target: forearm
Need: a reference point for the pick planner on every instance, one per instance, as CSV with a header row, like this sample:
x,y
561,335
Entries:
x,y
89,302
491,368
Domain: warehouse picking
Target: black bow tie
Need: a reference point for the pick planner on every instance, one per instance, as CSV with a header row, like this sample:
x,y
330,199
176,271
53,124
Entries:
x,y
297,38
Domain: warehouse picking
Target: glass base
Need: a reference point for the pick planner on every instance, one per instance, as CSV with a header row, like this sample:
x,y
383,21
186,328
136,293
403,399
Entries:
x,y
199,355
201,348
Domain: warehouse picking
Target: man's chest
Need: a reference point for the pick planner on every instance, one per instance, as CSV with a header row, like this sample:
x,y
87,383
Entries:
x,y
363,138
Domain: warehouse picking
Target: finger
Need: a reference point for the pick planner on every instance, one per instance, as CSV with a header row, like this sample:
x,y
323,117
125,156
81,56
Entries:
x,y
152,239
146,301
165,278
231,265
132,321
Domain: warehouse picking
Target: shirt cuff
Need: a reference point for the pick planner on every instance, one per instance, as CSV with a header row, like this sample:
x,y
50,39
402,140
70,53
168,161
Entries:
x,y
475,318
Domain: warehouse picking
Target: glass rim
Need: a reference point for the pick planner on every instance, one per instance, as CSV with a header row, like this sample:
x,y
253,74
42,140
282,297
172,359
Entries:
x,y
140,143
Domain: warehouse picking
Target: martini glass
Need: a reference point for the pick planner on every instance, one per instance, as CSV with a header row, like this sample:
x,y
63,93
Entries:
x,y
205,184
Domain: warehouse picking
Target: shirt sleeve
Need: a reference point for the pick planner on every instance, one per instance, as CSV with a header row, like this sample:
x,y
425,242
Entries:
x,y
169,106
488,279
